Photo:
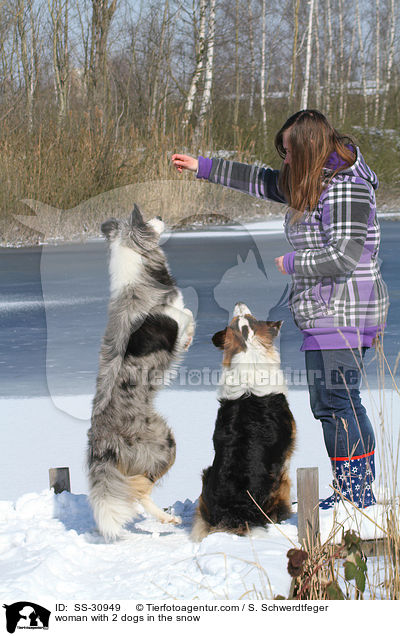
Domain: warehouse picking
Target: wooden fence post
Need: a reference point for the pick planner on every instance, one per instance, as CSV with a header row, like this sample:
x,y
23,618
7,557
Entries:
x,y
59,479
308,507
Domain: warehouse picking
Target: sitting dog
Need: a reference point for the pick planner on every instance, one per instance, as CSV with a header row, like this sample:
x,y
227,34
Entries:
x,y
130,444
248,483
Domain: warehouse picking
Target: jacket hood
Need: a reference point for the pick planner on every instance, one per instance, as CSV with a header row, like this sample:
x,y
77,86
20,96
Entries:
x,y
359,169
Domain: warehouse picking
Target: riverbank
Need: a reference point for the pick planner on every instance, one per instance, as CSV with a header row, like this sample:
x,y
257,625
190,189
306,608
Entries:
x,y
183,205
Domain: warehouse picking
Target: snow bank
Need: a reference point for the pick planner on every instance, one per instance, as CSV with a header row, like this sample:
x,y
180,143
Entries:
x,y
50,549
49,546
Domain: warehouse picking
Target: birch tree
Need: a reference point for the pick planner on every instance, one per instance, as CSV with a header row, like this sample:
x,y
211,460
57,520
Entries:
x,y
341,73
294,53
318,57
27,21
304,98
377,60
200,48
328,57
252,61
155,98
262,75
363,66
208,72
237,78
390,58
349,68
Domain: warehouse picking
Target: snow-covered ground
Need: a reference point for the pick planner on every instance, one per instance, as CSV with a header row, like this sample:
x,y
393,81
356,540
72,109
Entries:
x,y
49,546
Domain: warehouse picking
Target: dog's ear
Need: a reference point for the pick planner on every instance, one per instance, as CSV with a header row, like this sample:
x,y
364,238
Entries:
x,y
136,217
218,339
108,227
275,326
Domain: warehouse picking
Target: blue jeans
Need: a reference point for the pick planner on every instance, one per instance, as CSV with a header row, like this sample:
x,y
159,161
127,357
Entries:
x,y
334,378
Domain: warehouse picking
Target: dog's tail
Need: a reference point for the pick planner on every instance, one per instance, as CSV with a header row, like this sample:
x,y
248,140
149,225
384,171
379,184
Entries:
x,y
200,529
114,496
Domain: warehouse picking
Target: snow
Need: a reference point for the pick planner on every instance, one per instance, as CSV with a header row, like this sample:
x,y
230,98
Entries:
x,y
49,546
150,562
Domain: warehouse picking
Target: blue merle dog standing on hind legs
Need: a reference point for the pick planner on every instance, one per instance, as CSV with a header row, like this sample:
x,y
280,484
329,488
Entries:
x,y
130,444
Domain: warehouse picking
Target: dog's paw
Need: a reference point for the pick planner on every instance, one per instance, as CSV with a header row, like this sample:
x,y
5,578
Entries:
x,y
167,518
189,330
189,313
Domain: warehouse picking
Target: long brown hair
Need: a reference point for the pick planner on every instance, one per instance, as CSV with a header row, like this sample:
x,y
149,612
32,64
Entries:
x,y
312,140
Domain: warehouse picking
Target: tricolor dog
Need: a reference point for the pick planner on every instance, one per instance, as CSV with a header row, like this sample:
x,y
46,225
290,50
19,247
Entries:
x,y
248,483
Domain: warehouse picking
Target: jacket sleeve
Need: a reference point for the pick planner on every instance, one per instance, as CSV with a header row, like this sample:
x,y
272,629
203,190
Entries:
x,y
345,214
259,182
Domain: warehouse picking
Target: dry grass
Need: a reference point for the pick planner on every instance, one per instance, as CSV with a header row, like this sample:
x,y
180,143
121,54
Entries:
x,y
324,573
96,170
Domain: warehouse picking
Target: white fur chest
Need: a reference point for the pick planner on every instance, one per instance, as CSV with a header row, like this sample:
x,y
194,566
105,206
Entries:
x,y
252,371
125,267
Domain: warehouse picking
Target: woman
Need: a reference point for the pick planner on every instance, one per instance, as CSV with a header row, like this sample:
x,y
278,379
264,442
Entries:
x,y
338,298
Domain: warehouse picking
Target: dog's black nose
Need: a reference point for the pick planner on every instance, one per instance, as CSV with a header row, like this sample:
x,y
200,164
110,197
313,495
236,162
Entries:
x,y
159,218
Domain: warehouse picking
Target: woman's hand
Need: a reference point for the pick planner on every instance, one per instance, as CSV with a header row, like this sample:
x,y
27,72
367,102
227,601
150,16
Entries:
x,y
279,264
185,162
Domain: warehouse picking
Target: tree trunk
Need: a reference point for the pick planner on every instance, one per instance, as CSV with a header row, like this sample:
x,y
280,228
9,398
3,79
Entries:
x,y
8,50
200,61
294,55
389,63
98,89
304,99
28,51
328,59
59,17
363,67
155,90
341,73
237,78
377,62
348,78
252,61
318,58
208,74
262,75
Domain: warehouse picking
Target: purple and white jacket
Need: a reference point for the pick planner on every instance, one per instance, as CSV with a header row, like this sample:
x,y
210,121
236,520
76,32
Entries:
x,y
338,298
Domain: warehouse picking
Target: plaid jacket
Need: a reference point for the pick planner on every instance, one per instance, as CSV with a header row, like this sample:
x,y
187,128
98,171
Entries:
x,y
338,298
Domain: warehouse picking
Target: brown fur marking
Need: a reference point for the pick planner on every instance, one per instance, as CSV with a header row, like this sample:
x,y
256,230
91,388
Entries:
x,y
141,486
234,343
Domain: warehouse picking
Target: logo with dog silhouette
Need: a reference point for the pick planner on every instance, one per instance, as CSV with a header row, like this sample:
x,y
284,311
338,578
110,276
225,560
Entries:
x,y
26,615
